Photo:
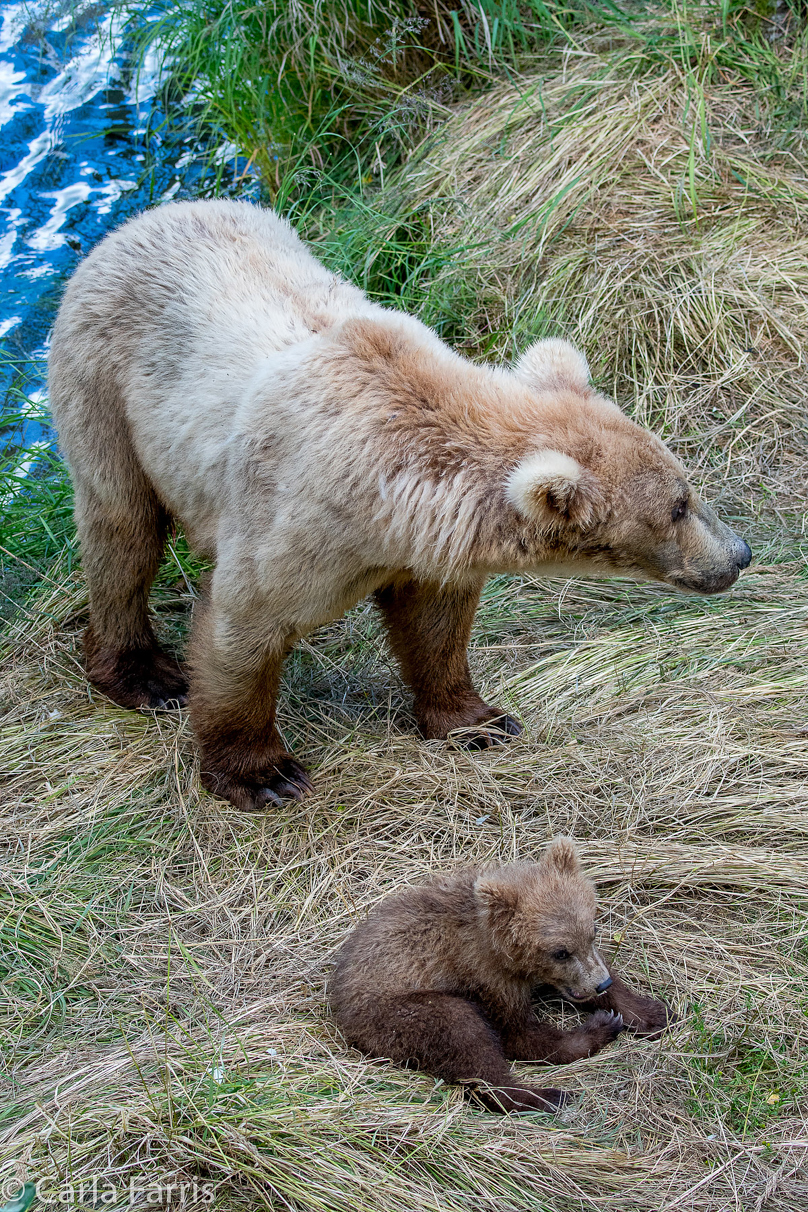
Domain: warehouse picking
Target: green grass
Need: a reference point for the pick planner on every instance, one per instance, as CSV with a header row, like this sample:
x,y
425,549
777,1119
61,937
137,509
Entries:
x,y
747,1080
36,501
322,94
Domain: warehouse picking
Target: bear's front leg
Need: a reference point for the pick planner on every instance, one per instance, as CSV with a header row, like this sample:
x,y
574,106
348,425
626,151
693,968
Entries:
x,y
544,1043
235,675
429,626
641,1014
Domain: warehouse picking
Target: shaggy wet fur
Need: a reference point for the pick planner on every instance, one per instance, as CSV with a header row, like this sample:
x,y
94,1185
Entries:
x,y
318,448
441,976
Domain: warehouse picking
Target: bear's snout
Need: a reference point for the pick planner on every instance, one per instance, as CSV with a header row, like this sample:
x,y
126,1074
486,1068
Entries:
x,y
591,979
710,557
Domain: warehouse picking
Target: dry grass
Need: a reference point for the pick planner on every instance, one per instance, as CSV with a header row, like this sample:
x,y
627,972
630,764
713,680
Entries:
x,y
165,956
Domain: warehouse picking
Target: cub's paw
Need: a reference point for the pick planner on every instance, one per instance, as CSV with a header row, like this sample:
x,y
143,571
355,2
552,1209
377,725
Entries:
x,y
602,1027
506,1099
284,779
492,732
648,1016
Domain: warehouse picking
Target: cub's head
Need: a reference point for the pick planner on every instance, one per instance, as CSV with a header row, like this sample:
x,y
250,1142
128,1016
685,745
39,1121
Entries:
x,y
540,921
599,495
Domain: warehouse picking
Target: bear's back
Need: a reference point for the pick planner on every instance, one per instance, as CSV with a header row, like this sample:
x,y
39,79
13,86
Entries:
x,y
166,325
196,276
415,940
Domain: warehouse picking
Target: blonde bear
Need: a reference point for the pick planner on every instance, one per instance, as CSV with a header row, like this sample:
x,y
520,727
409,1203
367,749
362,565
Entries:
x,y
206,369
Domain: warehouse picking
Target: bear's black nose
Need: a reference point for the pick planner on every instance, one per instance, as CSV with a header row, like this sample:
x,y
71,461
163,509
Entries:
x,y
744,556
604,985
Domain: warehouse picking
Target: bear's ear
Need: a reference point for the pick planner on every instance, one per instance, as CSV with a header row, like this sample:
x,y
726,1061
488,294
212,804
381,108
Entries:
x,y
551,488
562,857
498,897
552,365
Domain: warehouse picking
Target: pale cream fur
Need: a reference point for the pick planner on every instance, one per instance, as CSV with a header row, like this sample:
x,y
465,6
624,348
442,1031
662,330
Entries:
x,y
210,333
317,447
551,364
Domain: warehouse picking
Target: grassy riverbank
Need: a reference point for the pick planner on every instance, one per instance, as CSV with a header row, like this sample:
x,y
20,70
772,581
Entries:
x,y
633,180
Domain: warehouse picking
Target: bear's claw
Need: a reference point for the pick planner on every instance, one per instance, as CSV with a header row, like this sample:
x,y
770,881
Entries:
x,y
290,783
283,779
606,1024
491,732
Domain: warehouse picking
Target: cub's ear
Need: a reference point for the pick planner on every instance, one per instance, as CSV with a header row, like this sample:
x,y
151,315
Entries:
x,y
551,488
561,856
496,896
552,365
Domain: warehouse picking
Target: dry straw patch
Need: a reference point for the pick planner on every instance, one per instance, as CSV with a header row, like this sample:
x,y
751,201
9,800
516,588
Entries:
x,y
165,956
165,1016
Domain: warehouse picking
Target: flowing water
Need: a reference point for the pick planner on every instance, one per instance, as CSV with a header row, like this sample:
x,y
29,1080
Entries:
x,y
82,147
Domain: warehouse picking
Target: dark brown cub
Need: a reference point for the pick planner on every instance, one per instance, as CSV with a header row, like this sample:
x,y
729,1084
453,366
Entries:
x,y
439,977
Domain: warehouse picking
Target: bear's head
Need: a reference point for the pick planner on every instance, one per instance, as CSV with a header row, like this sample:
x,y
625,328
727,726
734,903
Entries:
x,y
600,495
539,919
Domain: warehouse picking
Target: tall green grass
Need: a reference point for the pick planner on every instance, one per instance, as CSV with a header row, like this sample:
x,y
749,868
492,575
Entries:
x,y
332,91
36,500
324,96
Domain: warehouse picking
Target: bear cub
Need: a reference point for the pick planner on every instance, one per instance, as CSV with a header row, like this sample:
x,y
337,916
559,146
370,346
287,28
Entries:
x,y
440,977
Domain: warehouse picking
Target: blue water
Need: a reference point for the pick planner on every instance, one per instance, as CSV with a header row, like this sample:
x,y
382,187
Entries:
x,y
83,145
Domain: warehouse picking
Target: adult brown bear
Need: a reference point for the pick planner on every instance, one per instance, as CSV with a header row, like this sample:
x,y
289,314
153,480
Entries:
x,y
320,448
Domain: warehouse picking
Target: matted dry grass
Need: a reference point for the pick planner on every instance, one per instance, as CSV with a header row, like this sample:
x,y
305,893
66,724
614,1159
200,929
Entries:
x,y
164,1013
166,1016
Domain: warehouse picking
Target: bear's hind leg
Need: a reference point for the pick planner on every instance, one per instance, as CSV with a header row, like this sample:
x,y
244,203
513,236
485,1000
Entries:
x,y
429,628
448,1037
235,674
121,548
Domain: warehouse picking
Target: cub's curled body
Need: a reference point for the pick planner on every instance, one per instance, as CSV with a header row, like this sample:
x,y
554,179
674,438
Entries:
x,y
318,448
440,976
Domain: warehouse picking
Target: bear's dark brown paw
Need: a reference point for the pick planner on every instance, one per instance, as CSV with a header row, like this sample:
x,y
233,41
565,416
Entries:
x,y
284,779
136,677
507,1099
601,1028
493,732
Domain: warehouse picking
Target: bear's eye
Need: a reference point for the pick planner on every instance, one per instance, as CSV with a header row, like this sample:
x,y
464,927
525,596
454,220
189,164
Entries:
x,y
561,955
679,510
